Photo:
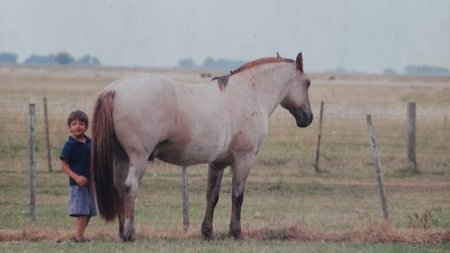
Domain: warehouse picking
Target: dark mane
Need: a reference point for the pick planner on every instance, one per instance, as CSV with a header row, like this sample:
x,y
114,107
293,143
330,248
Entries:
x,y
259,62
223,80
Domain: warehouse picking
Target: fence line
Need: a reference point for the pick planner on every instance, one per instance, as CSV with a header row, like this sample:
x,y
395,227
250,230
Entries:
x,y
335,136
339,132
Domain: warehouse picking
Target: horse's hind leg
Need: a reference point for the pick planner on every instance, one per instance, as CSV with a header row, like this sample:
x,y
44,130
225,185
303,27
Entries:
x,y
241,167
212,197
135,174
121,172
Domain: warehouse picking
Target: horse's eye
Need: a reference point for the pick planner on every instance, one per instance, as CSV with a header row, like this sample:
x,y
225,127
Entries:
x,y
308,82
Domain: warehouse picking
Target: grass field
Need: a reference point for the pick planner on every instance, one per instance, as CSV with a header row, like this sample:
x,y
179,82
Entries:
x,y
287,208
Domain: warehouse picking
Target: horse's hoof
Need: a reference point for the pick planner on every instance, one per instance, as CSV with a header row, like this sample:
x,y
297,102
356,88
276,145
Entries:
x,y
128,237
237,235
129,234
207,232
207,236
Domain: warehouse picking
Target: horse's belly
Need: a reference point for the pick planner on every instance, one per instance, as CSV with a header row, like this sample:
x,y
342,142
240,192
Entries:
x,y
185,159
189,154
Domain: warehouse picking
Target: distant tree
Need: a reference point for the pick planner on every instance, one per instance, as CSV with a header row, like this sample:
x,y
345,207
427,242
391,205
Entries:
x,y
39,59
64,58
186,63
389,71
221,63
209,63
426,70
8,58
87,60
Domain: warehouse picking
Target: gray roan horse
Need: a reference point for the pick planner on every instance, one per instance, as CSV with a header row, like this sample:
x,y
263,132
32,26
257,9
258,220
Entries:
x,y
222,122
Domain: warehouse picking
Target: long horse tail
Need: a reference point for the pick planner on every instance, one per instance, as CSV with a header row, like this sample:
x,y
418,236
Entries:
x,y
103,142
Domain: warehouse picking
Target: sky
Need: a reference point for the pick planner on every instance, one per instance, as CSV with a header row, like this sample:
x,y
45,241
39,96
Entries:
x,y
355,35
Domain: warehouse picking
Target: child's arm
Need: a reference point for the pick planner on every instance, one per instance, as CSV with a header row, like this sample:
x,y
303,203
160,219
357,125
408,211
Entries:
x,y
81,180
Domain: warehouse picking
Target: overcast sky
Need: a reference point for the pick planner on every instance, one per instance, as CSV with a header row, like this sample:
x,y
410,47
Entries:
x,y
357,35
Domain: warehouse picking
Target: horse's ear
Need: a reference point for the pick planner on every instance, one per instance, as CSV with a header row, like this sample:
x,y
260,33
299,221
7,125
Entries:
x,y
278,56
299,62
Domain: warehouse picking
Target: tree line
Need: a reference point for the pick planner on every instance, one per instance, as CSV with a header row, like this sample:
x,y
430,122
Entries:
x,y
210,63
61,58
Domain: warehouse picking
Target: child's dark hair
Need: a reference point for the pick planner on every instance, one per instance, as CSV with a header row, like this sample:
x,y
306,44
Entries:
x,y
78,115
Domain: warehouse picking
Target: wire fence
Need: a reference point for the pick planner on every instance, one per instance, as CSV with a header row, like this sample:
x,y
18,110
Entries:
x,y
345,146
345,150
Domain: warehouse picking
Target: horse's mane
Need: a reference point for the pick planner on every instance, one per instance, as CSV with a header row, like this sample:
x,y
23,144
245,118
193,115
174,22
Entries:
x,y
223,80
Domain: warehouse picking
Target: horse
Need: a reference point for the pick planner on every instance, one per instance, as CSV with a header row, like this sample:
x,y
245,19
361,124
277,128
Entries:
x,y
222,122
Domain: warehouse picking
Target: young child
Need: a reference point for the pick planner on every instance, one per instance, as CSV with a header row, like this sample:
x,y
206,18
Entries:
x,y
76,162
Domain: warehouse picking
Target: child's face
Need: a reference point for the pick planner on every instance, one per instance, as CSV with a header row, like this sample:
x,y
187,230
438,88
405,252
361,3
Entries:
x,y
77,128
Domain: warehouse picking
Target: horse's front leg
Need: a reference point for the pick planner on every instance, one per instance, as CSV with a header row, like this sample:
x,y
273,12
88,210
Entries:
x,y
212,197
241,167
135,174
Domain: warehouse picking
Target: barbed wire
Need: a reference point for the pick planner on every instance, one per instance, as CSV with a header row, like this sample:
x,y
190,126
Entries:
x,y
340,130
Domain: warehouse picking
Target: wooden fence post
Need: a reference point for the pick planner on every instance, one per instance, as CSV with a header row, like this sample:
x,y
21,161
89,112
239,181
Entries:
x,y
316,166
32,115
378,171
411,132
185,199
47,135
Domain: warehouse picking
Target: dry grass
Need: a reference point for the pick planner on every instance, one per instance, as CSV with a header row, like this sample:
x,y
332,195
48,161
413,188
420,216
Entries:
x,y
340,205
375,233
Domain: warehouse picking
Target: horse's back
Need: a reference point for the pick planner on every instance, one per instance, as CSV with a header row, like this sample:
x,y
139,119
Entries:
x,y
140,86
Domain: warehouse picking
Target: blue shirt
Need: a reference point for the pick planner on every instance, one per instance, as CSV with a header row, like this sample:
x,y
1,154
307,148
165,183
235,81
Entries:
x,y
78,156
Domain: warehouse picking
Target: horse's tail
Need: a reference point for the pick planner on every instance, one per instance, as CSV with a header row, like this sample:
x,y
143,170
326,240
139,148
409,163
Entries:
x,y
103,141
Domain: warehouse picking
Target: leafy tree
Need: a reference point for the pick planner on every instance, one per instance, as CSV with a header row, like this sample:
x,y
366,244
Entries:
x,y
8,58
221,63
39,59
389,71
64,58
426,70
87,60
186,63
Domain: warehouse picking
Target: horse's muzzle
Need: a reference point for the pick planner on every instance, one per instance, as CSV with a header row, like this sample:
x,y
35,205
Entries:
x,y
302,117
304,120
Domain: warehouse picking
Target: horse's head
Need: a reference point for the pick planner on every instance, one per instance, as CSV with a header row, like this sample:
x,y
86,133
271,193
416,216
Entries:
x,y
296,100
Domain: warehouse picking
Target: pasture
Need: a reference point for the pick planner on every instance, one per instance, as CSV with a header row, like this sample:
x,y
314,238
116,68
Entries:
x,y
288,207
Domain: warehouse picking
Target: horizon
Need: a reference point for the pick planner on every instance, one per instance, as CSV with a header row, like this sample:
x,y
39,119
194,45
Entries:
x,y
356,36
223,65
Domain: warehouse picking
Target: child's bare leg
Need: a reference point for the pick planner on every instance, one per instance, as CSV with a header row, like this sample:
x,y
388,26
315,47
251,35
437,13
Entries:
x,y
88,218
81,226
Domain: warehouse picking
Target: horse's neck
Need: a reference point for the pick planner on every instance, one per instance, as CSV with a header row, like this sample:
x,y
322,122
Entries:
x,y
270,82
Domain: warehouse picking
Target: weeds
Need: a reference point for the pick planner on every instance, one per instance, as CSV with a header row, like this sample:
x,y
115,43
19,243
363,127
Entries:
x,y
375,233
425,220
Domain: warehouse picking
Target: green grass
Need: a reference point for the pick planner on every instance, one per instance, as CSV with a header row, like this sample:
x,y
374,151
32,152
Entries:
x,y
217,246
282,190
